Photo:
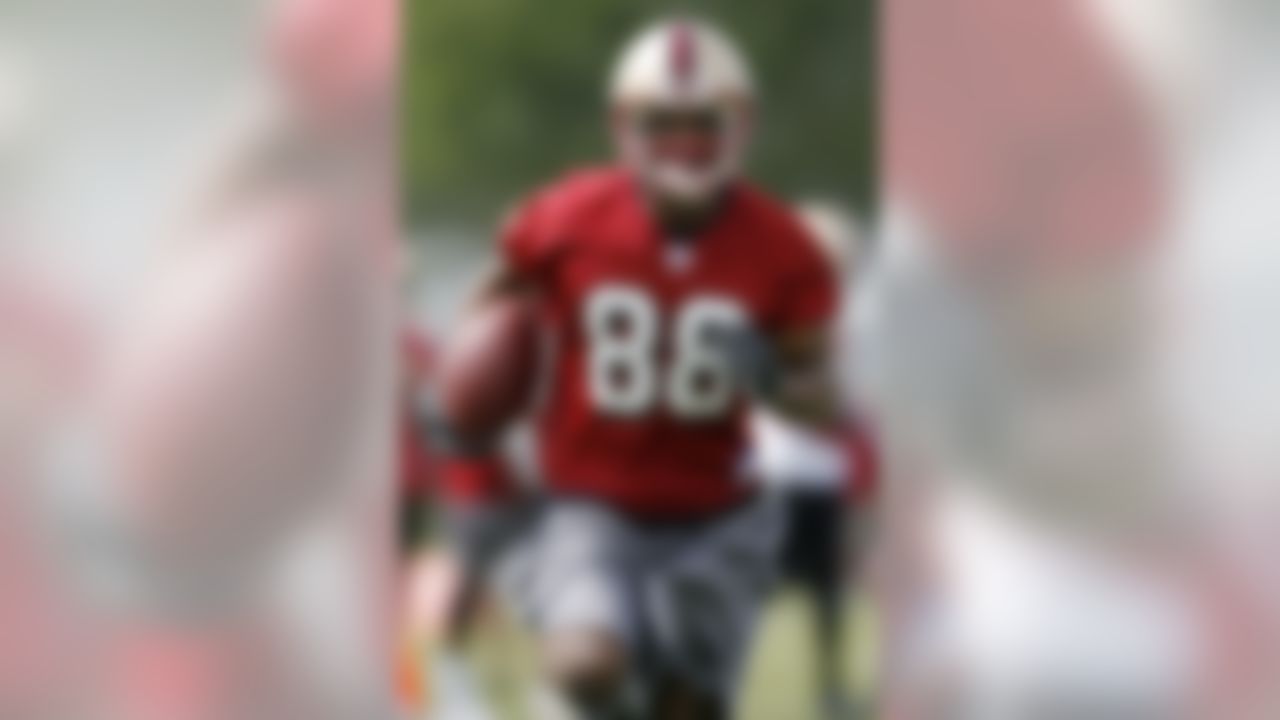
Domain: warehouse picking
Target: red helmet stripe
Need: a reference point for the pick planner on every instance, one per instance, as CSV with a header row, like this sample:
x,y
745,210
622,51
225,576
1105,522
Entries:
x,y
683,53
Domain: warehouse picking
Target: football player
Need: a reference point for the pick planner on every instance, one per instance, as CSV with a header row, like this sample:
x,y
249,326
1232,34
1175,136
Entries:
x,y
672,294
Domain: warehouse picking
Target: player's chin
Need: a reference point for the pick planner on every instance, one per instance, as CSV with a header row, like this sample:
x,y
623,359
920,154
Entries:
x,y
683,187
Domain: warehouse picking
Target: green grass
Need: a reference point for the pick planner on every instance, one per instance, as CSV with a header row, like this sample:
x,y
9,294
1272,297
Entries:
x,y
779,683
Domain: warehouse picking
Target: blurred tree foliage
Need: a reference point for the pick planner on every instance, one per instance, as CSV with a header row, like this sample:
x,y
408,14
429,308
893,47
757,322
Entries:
x,y
501,95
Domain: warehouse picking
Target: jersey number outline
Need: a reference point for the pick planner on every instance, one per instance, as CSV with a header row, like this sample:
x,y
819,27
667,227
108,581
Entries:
x,y
623,326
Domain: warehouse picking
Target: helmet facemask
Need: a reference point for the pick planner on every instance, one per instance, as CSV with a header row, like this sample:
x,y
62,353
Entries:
x,y
685,156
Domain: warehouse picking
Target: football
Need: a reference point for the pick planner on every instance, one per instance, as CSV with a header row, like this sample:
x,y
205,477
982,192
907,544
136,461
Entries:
x,y
488,369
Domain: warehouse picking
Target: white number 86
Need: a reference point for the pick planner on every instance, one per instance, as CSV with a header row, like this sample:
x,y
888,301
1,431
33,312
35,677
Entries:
x,y
623,333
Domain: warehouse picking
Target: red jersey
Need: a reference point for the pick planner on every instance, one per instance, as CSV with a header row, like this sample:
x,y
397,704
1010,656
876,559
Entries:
x,y
641,409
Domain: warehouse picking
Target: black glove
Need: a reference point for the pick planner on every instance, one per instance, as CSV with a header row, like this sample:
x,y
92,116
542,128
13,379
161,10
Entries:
x,y
752,360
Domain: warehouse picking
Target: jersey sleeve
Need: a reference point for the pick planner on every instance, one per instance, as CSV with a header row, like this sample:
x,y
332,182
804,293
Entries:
x,y
809,291
525,239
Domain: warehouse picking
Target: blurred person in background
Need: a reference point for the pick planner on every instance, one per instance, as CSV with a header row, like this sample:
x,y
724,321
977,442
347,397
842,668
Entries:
x,y
435,619
675,295
243,406
825,481
416,465
1052,537
216,487
416,476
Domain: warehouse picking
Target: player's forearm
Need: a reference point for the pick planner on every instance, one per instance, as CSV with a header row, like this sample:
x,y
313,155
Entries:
x,y
804,389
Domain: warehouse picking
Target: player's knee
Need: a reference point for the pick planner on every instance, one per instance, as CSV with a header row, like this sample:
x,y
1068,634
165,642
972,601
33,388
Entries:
x,y
589,666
